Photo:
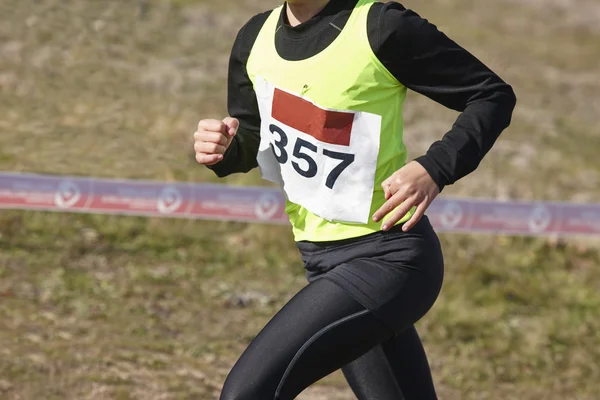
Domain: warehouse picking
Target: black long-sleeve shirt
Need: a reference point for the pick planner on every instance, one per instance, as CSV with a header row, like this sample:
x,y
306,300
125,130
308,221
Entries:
x,y
420,57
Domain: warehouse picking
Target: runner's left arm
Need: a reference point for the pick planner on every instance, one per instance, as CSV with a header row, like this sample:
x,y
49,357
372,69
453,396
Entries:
x,y
426,61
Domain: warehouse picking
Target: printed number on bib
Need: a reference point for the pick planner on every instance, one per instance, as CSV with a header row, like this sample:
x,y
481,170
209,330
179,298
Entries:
x,y
324,159
311,168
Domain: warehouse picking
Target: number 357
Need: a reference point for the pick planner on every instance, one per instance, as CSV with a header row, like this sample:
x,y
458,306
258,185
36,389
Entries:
x,y
304,150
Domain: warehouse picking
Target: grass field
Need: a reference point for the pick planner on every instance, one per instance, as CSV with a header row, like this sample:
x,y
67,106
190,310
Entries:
x,y
101,307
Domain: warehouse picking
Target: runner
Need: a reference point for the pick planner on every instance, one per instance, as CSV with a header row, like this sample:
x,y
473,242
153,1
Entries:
x,y
316,90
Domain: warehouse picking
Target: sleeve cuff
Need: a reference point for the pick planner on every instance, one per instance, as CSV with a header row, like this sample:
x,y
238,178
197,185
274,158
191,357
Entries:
x,y
433,171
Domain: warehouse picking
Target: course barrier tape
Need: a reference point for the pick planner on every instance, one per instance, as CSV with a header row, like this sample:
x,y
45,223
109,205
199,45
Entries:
x,y
259,204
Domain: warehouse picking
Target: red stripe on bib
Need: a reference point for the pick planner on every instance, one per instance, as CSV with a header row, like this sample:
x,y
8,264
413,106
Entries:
x,y
333,127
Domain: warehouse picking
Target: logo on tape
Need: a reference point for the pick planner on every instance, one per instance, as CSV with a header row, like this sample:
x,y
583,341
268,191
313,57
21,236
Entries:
x,y
267,206
169,200
452,215
540,219
67,194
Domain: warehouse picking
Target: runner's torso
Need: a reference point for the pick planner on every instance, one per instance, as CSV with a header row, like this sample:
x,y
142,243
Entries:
x,y
331,129
414,52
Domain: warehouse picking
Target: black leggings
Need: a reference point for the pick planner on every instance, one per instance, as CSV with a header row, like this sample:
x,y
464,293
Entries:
x,y
319,331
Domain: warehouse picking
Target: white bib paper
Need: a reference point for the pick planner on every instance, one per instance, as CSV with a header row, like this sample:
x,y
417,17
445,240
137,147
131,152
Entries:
x,y
325,160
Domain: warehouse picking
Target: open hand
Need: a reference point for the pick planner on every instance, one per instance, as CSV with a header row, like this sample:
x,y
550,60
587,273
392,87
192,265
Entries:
x,y
408,187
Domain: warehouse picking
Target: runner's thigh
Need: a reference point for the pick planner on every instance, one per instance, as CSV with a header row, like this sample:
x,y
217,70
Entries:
x,y
318,331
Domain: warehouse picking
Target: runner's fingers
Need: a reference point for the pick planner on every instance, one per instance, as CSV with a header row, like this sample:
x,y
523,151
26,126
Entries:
x,y
208,159
400,212
211,137
386,190
387,182
420,211
232,125
388,206
212,125
209,148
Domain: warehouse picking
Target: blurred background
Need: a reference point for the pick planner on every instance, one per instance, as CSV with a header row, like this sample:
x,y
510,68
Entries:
x,y
108,307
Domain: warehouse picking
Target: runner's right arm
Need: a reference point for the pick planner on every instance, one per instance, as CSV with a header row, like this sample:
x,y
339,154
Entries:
x,y
242,105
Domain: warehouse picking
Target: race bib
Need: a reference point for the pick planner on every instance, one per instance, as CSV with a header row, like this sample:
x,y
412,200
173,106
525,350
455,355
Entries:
x,y
325,160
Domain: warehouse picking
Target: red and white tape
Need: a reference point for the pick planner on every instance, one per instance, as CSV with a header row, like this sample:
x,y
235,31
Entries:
x,y
254,204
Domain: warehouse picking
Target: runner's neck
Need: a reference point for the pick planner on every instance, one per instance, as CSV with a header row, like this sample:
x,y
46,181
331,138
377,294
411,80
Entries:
x,y
299,11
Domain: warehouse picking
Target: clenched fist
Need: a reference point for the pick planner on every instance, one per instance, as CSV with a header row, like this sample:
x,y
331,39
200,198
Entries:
x,y
213,138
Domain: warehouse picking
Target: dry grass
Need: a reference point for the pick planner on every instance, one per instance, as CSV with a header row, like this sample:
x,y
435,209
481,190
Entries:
x,y
100,307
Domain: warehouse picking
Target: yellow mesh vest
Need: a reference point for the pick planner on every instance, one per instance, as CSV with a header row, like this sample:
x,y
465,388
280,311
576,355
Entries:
x,y
345,76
